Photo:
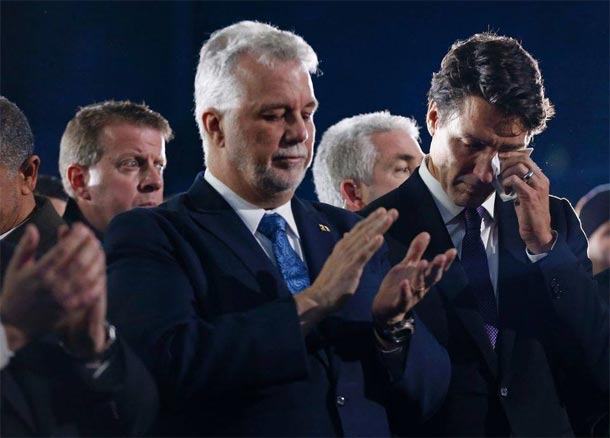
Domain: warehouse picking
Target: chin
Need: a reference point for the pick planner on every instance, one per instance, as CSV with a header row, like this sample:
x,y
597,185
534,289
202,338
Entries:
x,y
465,199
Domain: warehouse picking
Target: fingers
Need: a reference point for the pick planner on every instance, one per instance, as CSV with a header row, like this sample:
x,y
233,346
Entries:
x,y
66,248
515,166
74,269
434,271
26,249
417,248
450,256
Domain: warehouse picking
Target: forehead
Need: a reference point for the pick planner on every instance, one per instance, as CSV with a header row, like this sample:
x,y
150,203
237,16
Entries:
x,y
124,137
395,141
286,82
479,119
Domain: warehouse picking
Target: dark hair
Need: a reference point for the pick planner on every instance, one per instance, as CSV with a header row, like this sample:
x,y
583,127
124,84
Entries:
x,y
16,138
498,69
51,187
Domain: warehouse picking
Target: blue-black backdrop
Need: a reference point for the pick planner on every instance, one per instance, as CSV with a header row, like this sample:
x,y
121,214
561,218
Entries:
x,y
56,56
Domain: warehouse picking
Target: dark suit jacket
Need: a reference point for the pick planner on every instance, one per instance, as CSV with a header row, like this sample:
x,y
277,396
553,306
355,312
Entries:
x,y
212,316
46,392
73,215
551,320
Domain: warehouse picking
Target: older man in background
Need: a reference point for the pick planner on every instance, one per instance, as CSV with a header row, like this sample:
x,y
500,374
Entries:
x,y
363,157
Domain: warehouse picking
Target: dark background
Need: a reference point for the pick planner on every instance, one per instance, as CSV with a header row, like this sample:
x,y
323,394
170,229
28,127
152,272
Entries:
x,y
56,56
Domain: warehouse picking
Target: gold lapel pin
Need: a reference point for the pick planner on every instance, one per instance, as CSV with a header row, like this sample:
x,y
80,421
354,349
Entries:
x,y
324,228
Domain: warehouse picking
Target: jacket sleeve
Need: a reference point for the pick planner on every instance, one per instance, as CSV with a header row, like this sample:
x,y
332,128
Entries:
x,y
580,317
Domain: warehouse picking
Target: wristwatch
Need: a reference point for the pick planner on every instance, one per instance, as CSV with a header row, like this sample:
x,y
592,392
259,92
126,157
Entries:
x,y
399,332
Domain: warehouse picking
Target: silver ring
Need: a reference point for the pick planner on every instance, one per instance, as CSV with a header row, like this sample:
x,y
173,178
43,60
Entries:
x,y
528,175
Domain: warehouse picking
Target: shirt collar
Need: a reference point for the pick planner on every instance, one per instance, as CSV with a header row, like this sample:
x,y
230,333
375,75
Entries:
x,y
249,213
449,211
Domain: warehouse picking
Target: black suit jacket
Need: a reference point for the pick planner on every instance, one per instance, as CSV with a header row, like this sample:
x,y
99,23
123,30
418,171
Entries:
x,y
551,320
46,392
208,311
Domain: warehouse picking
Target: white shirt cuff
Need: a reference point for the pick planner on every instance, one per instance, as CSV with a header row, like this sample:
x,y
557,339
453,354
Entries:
x,y
537,257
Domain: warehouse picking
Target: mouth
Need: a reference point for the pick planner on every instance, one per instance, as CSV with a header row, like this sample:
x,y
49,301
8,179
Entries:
x,y
148,204
289,159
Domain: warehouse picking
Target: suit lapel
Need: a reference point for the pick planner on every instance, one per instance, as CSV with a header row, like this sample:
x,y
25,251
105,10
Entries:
x,y
414,195
508,231
453,287
213,213
318,237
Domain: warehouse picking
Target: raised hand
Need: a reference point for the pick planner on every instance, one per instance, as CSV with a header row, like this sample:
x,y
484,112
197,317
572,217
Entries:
x,y
38,294
339,278
407,282
521,174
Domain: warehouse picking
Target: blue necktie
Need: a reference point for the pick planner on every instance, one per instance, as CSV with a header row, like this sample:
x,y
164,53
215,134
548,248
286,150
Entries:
x,y
294,271
474,261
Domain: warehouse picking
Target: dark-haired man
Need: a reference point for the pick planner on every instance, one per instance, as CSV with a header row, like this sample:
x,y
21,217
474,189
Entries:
x,y
519,310
111,159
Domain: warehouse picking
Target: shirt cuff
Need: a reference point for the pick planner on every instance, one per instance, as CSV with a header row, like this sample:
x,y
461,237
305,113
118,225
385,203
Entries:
x,y
5,352
537,257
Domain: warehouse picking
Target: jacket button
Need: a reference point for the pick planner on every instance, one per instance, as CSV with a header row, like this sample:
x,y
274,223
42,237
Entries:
x,y
340,400
556,291
504,391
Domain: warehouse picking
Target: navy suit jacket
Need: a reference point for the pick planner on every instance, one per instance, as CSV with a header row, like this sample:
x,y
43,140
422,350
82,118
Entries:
x,y
551,322
212,317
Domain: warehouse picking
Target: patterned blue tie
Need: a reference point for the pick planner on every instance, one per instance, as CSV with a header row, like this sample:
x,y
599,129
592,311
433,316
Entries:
x,y
474,260
294,271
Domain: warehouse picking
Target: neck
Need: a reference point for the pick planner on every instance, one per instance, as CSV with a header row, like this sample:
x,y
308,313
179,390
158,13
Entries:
x,y
19,215
91,216
265,199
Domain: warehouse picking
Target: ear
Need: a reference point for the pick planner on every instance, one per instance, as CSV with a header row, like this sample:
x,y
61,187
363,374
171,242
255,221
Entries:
x,y
29,173
432,118
212,124
79,180
352,193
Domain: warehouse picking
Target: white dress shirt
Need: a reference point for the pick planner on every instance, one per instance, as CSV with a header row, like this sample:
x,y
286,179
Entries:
x,y
251,216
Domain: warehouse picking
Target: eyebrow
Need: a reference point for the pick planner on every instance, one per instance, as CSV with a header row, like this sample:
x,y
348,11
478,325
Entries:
x,y
477,140
404,157
273,106
137,154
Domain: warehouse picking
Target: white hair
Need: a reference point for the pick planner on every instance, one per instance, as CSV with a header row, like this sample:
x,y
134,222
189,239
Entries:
x,y
347,151
216,85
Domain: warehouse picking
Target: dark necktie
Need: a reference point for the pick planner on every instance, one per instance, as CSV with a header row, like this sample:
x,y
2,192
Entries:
x,y
474,261
294,271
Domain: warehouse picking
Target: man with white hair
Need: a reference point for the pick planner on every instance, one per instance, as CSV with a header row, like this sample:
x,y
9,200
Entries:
x,y
253,307
363,157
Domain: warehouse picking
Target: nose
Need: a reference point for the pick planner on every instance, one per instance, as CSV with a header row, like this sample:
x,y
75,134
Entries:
x,y
296,131
151,179
482,167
